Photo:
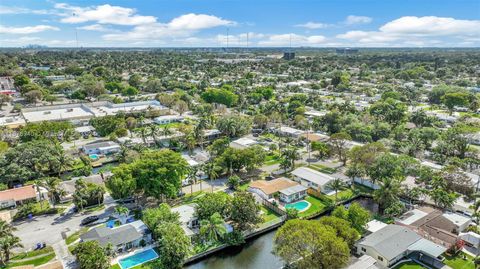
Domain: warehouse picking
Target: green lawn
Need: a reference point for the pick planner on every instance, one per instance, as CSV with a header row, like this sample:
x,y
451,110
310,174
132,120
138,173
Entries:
x,y
409,265
190,198
272,159
268,215
73,237
323,168
457,262
244,186
34,262
316,206
33,253
115,266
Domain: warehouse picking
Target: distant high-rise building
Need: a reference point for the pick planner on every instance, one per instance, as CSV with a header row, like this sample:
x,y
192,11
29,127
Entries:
x,y
289,55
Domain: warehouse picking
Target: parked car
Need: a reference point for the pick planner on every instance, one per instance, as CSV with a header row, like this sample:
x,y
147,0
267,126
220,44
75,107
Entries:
x,y
89,220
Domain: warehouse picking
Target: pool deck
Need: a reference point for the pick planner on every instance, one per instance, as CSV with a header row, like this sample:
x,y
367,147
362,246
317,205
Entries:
x,y
126,255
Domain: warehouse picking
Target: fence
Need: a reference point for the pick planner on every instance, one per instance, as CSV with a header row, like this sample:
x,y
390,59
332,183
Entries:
x,y
273,207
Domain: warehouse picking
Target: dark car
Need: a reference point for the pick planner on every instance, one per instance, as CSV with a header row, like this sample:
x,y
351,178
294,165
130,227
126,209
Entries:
x,y
89,220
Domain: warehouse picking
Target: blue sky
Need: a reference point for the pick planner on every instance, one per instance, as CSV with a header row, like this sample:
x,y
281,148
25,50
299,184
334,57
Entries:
x,y
187,23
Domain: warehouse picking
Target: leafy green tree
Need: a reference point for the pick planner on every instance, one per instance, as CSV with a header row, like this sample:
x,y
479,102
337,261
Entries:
x,y
20,80
220,96
338,143
173,245
244,211
212,229
122,184
4,98
453,99
135,80
211,203
389,110
7,241
153,217
321,149
356,215
234,125
90,255
310,244
233,182
343,229
107,125
388,193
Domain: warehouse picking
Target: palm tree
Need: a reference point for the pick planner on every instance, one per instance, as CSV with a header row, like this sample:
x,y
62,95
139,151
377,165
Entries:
x,y
6,229
8,243
213,228
122,212
290,154
336,185
54,192
387,194
79,199
210,169
354,171
192,175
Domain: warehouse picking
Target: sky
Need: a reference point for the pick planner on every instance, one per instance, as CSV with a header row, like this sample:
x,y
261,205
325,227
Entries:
x,y
240,23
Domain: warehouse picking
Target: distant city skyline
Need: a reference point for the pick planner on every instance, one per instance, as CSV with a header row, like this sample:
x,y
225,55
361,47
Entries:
x,y
188,23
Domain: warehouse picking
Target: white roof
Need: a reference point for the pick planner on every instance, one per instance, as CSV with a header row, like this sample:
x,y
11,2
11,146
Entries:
x,y
290,130
113,109
67,113
87,128
375,225
471,237
364,262
457,219
186,212
168,117
412,216
243,142
428,247
312,176
139,225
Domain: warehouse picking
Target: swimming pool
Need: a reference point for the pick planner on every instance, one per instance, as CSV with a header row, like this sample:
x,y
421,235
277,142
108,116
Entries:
x,y
94,157
300,205
139,258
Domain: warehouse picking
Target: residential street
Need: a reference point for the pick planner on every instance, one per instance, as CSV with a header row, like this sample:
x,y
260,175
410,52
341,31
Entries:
x,y
49,229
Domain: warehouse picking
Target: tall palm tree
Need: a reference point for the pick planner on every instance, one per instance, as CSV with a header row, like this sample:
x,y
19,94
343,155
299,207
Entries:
x,y
388,193
213,228
336,185
6,229
8,243
54,192
355,171
290,154
192,175
210,169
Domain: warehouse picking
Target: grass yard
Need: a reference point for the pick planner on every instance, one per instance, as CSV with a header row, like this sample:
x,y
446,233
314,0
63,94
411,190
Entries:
x,y
76,235
409,265
33,253
190,198
244,186
115,266
34,262
323,168
342,195
316,206
272,159
268,215
457,262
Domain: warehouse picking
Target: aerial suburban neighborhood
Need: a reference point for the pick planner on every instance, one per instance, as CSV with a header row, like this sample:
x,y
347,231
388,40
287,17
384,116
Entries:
x,y
169,148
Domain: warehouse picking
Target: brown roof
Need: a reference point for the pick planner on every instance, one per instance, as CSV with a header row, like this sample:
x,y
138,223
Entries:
x,y
437,226
273,186
18,194
315,137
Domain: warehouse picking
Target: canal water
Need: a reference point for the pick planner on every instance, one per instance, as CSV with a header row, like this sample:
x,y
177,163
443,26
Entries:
x,y
257,252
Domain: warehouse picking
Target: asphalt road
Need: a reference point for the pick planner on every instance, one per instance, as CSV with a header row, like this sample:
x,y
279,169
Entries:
x,y
49,229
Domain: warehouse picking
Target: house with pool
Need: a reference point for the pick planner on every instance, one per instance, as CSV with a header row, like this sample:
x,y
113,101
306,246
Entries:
x,y
285,189
123,238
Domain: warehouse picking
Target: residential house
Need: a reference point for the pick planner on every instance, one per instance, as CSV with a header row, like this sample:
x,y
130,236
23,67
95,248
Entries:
x,y
105,148
289,132
124,237
312,179
393,243
268,189
166,119
21,195
293,193
86,131
188,220
442,227
243,143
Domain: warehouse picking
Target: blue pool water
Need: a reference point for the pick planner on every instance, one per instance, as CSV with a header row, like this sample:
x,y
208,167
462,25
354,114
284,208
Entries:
x,y
93,156
139,258
300,205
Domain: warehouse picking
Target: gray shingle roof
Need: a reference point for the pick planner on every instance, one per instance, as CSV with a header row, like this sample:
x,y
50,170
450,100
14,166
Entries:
x,y
116,236
391,241
293,189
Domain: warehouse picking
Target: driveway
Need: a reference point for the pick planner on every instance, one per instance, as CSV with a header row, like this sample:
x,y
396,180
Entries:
x,y
49,228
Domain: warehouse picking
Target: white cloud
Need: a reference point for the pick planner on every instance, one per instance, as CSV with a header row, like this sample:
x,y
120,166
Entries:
x,y
104,14
431,25
97,27
296,40
26,29
313,25
182,26
197,21
416,31
352,19
21,10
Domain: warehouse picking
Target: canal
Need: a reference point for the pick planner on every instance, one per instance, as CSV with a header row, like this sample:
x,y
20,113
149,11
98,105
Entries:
x,y
257,252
